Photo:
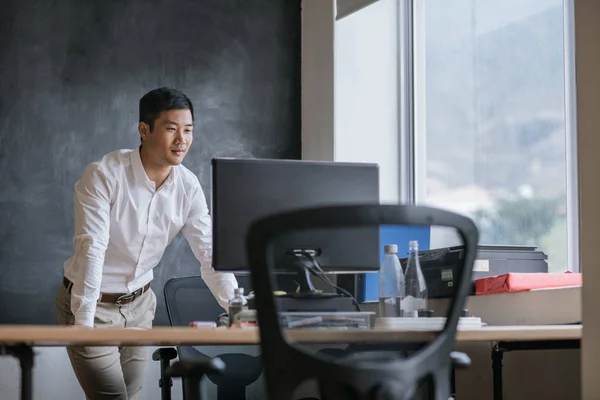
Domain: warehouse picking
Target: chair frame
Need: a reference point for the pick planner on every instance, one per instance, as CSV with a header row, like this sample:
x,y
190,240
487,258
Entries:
x,y
286,366
195,364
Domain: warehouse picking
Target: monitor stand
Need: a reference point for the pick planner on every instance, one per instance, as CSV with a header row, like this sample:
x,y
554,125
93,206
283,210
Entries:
x,y
308,299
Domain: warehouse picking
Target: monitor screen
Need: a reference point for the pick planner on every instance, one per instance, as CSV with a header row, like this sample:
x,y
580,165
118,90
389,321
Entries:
x,y
244,190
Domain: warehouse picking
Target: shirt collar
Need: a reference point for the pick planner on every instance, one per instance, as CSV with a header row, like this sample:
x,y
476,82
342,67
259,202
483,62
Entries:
x,y
140,173
171,177
138,169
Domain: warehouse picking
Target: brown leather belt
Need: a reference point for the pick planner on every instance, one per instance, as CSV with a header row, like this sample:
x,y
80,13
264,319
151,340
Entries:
x,y
116,298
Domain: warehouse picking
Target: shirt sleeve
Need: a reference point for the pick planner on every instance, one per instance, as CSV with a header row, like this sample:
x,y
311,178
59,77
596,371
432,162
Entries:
x,y
198,232
92,221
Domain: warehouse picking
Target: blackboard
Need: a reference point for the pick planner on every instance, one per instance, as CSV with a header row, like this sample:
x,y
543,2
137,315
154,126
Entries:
x,y
71,75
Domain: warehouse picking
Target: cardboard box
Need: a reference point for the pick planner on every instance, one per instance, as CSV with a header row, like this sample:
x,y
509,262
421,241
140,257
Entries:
x,y
530,307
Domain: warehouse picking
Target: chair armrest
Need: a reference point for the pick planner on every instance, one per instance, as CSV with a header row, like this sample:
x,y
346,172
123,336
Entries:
x,y
460,360
164,353
195,368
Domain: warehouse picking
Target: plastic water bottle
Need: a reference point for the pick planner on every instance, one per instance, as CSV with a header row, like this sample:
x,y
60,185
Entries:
x,y
416,286
236,304
391,283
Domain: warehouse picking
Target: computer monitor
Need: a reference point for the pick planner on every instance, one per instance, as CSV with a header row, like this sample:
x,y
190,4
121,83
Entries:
x,y
244,190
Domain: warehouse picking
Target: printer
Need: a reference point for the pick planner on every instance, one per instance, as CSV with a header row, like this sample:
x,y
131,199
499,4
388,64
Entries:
x,y
441,266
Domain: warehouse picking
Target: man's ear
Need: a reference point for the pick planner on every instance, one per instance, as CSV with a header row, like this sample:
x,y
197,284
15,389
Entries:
x,y
144,130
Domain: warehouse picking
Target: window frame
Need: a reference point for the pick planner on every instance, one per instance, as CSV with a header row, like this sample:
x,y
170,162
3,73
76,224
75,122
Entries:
x,y
572,173
412,119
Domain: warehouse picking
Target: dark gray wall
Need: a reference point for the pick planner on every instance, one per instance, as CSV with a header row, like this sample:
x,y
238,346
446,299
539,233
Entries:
x,y
71,75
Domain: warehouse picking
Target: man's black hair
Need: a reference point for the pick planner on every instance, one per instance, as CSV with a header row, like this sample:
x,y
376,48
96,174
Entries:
x,y
162,99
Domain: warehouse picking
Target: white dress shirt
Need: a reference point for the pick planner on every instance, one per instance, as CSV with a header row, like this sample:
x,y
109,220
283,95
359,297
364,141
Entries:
x,y
123,225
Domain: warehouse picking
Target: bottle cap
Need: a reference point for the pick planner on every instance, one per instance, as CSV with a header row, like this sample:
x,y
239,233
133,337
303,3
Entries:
x,y
390,249
238,290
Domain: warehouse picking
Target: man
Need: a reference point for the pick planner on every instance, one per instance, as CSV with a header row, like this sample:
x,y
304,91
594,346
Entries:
x,y
129,206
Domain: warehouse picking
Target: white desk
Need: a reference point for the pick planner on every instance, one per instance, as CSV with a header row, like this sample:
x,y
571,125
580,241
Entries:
x,y
18,340
35,335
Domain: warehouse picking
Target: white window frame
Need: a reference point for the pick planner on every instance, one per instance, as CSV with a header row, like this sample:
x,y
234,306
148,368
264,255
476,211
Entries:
x,y
318,99
409,95
416,143
572,173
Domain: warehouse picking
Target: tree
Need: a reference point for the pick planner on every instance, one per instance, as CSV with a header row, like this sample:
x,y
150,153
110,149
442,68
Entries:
x,y
516,221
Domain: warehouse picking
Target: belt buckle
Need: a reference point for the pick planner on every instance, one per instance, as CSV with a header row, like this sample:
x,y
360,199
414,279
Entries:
x,y
120,299
128,296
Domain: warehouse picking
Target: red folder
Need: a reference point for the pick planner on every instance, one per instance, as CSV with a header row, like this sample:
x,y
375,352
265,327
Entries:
x,y
517,282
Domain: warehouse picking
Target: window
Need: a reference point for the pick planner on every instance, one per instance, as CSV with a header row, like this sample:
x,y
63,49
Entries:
x,y
491,119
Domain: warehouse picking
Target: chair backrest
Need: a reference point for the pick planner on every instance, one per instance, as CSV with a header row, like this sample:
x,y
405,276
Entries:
x,y
189,299
364,376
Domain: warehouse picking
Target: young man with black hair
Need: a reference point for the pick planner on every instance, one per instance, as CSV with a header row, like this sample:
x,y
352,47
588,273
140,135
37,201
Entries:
x,y
129,206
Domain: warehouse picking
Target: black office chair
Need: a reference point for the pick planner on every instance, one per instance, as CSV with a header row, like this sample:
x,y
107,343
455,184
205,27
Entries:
x,y
189,299
371,375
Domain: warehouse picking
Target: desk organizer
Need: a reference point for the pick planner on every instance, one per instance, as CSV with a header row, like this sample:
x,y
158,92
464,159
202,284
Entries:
x,y
424,324
319,319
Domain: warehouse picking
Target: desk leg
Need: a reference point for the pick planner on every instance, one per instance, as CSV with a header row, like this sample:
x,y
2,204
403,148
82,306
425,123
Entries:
x,y
497,354
25,356
501,347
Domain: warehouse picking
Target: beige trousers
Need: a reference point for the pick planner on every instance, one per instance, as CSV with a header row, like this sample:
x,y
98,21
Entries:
x,y
114,373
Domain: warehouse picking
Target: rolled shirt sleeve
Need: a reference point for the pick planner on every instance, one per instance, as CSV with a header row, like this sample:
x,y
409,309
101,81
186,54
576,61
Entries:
x,y
198,232
92,201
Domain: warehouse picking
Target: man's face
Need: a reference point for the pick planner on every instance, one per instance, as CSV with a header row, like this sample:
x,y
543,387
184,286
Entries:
x,y
171,138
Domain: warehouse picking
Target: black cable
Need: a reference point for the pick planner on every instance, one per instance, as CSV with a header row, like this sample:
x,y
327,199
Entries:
x,y
323,277
341,290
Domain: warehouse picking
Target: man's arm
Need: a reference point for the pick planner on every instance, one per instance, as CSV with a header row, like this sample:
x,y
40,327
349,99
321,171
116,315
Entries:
x,y
198,232
92,222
